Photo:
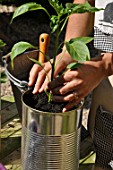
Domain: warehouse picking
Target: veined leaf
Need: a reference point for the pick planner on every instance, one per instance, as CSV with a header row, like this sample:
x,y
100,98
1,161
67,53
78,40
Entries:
x,y
32,6
2,44
18,49
81,8
78,51
83,39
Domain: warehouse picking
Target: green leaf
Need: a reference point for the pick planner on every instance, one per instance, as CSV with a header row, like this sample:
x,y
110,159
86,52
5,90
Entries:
x,y
36,61
78,51
57,7
2,44
49,95
54,24
32,6
83,39
3,78
74,65
81,8
18,49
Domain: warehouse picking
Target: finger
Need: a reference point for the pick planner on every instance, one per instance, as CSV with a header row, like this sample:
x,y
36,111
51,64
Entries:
x,y
58,99
39,82
61,66
67,77
41,77
67,98
70,75
56,83
56,91
45,83
33,74
62,62
71,86
71,104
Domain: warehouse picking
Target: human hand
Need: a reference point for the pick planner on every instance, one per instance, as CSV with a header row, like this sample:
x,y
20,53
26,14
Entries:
x,y
39,77
74,85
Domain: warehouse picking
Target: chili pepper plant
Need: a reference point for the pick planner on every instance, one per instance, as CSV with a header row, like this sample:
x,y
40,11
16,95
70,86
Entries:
x,y
76,47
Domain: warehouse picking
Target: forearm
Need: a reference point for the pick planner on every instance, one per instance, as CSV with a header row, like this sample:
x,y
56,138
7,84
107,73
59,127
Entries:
x,y
80,24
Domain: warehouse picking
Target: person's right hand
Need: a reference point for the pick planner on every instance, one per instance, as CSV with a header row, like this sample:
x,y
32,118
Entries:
x,y
38,75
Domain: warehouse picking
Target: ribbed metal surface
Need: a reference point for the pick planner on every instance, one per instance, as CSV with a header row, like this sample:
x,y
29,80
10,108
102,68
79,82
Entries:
x,y
44,152
50,141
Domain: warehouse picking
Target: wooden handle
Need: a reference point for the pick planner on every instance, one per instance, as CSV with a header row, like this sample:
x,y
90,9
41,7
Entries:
x,y
44,40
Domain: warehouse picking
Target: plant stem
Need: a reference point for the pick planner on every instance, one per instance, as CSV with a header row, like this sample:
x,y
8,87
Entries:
x,y
55,53
65,21
58,32
60,58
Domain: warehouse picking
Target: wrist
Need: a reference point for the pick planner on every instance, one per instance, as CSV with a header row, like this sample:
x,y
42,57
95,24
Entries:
x,y
107,60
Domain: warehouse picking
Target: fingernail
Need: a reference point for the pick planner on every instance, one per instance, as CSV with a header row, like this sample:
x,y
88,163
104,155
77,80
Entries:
x,y
29,83
47,88
64,110
34,91
40,90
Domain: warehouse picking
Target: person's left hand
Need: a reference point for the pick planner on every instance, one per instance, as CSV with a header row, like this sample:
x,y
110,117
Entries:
x,y
74,85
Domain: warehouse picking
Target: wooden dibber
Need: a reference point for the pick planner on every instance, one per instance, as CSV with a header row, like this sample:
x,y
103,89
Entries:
x,y
44,41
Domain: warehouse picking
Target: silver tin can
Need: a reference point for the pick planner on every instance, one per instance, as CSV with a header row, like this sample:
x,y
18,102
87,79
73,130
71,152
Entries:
x,y
50,141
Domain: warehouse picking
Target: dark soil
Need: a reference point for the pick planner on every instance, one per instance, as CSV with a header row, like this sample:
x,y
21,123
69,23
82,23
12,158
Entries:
x,y
40,102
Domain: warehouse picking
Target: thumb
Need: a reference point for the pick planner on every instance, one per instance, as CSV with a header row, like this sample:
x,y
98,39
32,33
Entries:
x,y
62,60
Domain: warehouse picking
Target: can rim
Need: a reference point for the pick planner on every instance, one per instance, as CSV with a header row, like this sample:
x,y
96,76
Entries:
x,y
43,112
